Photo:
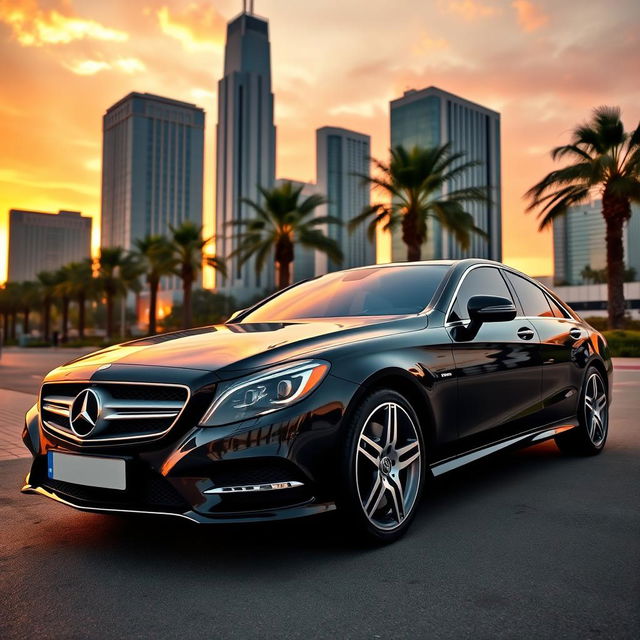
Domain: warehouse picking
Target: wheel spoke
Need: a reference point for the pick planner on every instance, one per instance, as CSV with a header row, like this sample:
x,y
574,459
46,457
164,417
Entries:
x,y
374,445
368,456
588,402
397,497
377,492
403,464
392,425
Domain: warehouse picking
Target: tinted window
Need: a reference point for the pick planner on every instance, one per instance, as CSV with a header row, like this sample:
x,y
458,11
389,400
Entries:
x,y
383,291
485,281
556,309
532,298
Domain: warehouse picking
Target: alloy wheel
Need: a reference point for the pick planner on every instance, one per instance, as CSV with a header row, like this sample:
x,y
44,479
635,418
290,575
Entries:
x,y
388,466
596,410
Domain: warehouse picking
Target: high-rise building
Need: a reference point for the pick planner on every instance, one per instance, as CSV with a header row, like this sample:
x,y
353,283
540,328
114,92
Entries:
x,y
579,242
432,117
245,146
304,266
152,168
45,241
342,158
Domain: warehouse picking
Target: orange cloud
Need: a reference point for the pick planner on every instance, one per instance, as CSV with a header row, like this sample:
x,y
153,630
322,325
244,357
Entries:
x,y
91,67
530,17
469,9
198,26
33,26
427,44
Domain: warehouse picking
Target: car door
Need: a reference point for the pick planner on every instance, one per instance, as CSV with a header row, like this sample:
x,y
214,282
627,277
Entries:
x,y
561,337
498,370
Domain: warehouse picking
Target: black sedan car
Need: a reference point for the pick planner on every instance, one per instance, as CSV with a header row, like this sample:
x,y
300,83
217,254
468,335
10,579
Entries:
x,y
346,391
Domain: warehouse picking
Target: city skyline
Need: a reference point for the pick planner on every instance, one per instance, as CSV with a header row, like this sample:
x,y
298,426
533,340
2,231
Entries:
x,y
50,157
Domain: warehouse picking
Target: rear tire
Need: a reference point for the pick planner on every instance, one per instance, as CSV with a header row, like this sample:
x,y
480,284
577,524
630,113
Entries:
x,y
590,436
382,469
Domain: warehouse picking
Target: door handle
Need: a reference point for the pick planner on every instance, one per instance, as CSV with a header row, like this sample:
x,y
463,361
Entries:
x,y
575,333
524,333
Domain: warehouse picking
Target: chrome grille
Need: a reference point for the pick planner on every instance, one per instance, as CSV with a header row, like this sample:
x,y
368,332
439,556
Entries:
x,y
126,410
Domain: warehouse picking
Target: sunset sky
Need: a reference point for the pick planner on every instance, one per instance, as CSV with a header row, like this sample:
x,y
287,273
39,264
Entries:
x,y
543,64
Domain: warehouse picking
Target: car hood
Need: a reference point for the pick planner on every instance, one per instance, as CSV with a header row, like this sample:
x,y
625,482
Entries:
x,y
236,347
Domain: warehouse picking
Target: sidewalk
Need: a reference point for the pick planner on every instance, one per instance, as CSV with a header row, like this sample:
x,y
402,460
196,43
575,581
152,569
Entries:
x,y
13,406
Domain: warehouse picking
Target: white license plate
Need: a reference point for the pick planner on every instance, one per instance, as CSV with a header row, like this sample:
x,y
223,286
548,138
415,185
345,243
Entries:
x,y
91,471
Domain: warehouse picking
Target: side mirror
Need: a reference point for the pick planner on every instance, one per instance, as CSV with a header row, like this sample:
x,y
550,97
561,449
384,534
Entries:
x,y
235,314
483,309
490,309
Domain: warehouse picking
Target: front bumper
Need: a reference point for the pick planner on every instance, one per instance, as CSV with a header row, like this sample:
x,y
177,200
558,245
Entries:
x,y
269,468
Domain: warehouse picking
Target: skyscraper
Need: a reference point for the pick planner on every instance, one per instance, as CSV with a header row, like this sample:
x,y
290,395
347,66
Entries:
x,y
579,242
342,157
431,117
245,146
46,241
152,168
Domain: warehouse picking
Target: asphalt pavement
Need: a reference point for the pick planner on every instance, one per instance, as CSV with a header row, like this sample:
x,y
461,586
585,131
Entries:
x,y
528,544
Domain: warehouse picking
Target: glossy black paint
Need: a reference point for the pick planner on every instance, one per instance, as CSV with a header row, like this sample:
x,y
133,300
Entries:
x,y
507,379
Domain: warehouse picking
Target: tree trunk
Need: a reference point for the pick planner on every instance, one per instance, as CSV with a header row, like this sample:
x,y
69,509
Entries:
x,y
27,313
153,305
81,315
14,319
109,298
65,319
46,319
616,212
5,326
284,274
187,311
411,236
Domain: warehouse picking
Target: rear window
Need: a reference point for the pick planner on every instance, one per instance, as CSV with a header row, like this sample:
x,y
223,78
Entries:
x,y
382,291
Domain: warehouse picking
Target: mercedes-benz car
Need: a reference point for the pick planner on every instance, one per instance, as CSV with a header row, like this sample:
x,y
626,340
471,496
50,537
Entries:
x,y
343,392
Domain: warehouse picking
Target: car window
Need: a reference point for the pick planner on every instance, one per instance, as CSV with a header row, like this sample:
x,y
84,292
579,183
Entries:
x,y
556,309
485,281
382,291
532,298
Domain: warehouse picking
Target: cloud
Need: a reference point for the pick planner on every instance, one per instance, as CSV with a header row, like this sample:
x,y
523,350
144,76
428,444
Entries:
x,y
91,67
427,44
530,17
33,26
197,26
469,9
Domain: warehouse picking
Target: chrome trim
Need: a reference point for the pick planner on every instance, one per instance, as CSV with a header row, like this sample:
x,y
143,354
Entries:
x,y
140,416
54,430
56,409
54,496
253,488
454,463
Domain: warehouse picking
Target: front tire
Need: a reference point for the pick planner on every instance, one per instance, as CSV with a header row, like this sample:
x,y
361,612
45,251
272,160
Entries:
x,y
382,469
590,436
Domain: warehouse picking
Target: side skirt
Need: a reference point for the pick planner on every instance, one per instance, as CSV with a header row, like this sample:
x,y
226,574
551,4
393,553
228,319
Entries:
x,y
524,440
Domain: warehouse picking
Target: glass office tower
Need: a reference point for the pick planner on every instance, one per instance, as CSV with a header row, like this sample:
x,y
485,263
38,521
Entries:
x,y
342,157
152,169
245,147
431,117
579,240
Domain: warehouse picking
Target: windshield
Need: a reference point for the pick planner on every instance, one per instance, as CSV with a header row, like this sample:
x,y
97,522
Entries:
x,y
382,291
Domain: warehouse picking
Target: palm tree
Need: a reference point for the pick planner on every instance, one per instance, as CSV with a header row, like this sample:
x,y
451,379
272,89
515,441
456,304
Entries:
x,y
605,159
112,260
188,246
283,220
48,282
80,286
63,292
157,257
29,295
414,181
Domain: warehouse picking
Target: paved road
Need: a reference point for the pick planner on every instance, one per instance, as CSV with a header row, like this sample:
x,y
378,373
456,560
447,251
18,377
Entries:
x,y
526,545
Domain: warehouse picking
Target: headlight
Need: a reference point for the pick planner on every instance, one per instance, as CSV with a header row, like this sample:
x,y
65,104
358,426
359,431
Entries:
x,y
264,392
